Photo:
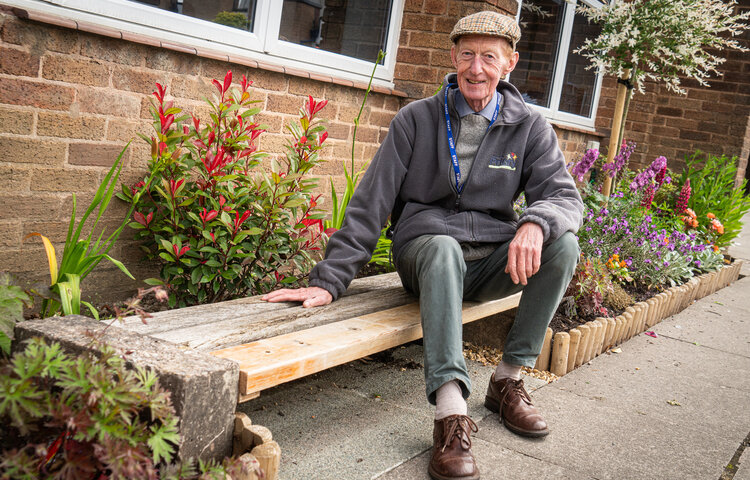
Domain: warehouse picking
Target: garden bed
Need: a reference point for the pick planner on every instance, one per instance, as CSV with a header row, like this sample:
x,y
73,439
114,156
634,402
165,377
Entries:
x,y
565,351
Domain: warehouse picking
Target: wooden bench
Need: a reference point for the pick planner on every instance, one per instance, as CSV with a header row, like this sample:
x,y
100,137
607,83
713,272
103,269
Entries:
x,y
275,343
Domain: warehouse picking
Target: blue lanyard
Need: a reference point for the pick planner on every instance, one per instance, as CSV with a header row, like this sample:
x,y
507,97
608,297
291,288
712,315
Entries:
x,y
452,143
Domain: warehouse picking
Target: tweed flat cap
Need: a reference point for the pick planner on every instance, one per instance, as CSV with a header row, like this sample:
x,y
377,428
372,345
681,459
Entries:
x,y
488,23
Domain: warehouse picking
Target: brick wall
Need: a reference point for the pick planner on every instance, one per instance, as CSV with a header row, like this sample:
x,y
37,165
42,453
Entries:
x,y
70,101
714,120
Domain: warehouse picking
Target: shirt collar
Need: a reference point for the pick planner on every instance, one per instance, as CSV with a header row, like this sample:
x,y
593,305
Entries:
x,y
463,108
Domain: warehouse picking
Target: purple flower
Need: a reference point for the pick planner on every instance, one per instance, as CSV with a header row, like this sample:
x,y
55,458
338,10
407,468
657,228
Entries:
x,y
621,159
697,263
585,164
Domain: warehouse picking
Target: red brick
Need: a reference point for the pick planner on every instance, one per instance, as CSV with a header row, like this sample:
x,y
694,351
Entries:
x,y
418,21
94,154
413,6
70,126
137,80
75,70
665,131
32,150
33,93
444,24
18,62
415,56
16,121
429,40
669,112
434,7
692,135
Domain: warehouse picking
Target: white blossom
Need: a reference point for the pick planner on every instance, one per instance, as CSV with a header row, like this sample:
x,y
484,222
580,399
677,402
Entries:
x,y
663,40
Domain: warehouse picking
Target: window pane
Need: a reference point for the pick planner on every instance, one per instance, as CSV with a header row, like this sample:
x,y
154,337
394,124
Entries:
x,y
234,13
355,28
578,88
541,21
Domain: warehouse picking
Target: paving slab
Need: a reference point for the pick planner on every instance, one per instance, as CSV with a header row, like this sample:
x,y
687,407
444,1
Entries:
x,y
357,420
601,441
720,321
668,389
495,463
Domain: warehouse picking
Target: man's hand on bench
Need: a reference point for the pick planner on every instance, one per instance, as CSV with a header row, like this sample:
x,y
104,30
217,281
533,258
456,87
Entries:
x,y
310,296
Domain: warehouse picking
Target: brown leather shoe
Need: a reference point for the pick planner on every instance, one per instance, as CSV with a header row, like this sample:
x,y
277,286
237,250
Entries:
x,y
509,398
451,452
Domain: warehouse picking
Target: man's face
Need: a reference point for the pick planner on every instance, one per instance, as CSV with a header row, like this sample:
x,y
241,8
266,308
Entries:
x,y
481,61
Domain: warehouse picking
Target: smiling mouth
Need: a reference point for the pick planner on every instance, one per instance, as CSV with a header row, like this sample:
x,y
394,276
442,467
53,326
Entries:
x,y
475,82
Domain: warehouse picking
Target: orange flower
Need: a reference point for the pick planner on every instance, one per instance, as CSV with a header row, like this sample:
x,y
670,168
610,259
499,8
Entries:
x,y
716,249
711,215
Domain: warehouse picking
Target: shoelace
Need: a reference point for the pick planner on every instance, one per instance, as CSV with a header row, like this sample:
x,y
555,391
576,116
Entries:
x,y
517,385
460,426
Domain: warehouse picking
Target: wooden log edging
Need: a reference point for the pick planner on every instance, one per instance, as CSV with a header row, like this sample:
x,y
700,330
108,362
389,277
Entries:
x,y
567,351
255,447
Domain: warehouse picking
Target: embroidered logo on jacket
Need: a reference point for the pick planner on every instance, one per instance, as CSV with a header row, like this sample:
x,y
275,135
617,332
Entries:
x,y
508,162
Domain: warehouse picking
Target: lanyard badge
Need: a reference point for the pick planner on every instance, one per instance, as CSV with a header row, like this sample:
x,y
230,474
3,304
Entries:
x,y
451,141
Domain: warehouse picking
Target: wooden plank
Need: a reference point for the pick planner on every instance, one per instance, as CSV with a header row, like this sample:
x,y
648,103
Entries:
x,y
224,324
272,361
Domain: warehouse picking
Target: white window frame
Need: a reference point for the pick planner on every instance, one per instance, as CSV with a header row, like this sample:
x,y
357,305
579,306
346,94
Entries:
x,y
261,45
553,112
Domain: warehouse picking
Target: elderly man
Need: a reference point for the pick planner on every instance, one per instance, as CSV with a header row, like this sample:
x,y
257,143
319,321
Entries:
x,y
448,173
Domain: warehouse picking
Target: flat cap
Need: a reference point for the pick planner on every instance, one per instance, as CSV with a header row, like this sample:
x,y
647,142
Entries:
x,y
488,23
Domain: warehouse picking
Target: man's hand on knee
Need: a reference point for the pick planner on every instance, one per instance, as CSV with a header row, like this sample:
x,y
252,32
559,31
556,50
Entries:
x,y
310,296
525,253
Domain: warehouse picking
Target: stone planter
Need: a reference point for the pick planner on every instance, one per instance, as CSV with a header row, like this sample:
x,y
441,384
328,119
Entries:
x,y
569,350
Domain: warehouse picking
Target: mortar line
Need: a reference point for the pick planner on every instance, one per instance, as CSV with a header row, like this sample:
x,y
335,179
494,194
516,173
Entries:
x,y
731,469
704,346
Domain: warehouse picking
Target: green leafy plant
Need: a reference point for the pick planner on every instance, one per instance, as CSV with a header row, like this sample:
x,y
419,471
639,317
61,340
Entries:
x,y
87,417
12,300
715,197
585,294
232,19
382,253
81,256
220,225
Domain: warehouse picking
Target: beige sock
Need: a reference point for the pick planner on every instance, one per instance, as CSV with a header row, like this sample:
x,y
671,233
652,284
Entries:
x,y
449,400
507,370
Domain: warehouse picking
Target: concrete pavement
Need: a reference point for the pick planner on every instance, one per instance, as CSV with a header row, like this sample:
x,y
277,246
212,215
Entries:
x,y
676,406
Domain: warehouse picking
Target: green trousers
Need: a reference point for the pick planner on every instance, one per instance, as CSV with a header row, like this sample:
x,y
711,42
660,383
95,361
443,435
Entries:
x,y
432,267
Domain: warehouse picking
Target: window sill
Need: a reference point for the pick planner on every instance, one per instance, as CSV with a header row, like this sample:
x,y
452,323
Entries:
x,y
248,61
575,128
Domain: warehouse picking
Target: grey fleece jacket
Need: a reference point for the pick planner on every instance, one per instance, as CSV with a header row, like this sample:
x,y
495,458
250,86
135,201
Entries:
x,y
412,171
